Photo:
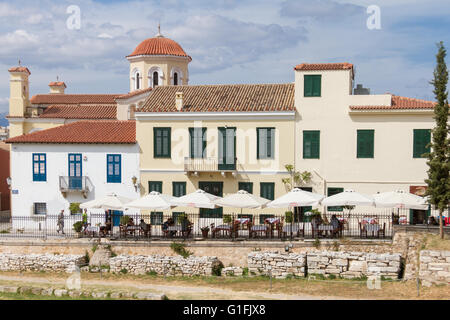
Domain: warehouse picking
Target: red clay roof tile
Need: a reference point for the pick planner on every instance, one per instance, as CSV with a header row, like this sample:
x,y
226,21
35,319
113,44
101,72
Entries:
x,y
80,112
223,98
57,84
59,98
84,132
324,66
159,46
399,103
134,93
19,69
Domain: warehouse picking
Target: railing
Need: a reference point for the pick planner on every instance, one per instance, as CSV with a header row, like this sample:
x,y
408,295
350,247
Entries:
x,y
159,225
208,165
70,184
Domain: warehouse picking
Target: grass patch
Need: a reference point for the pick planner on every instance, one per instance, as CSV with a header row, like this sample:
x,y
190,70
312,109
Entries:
x,y
180,248
434,242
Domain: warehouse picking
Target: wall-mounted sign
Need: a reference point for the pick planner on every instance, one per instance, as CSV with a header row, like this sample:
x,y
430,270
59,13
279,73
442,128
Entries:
x,y
418,190
15,191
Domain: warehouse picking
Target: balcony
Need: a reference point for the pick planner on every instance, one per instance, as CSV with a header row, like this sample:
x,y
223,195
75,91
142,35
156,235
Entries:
x,y
196,165
75,184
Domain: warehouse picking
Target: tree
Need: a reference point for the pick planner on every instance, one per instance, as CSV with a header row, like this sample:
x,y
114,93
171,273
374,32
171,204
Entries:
x,y
296,178
438,158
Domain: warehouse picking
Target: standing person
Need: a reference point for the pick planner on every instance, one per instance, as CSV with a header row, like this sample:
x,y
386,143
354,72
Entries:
x,y
60,222
84,218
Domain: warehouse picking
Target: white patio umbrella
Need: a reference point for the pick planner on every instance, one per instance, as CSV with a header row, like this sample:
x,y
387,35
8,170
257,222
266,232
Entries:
x,y
399,199
242,199
197,199
348,198
109,202
152,201
296,198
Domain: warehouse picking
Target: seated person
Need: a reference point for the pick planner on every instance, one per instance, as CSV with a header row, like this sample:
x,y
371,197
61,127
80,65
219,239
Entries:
x,y
130,222
106,228
432,221
144,226
335,222
167,224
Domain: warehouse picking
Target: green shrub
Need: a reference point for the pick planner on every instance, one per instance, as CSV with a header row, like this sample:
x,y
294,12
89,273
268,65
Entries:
x,y
86,256
124,271
152,273
336,246
180,248
94,247
78,226
331,276
316,243
4,231
245,271
217,269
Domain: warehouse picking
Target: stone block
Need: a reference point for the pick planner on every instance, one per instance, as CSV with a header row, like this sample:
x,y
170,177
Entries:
x,y
60,292
10,289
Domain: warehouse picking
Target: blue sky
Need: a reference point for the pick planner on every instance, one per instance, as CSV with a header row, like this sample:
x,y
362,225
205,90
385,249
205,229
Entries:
x,y
230,41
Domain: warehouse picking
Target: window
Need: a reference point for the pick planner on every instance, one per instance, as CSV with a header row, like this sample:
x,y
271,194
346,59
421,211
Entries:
x,y
266,143
161,142
155,186
263,217
197,142
311,144
312,85
175,78
155,79
331,192
422,137
267,190
40,208
114,168
39,167
247,186
138,81
365,143
178,189
176,215
156,218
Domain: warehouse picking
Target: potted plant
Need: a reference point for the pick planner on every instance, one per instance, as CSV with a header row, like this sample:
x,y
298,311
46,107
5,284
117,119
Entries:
x,y
227,218
124,220
77,227
289,216
205,231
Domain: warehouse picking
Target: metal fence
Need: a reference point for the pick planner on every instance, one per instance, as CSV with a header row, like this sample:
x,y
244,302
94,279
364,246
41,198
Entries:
x,y
159,225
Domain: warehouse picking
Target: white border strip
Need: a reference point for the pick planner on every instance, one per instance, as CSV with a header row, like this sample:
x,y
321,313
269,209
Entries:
x,y
182,116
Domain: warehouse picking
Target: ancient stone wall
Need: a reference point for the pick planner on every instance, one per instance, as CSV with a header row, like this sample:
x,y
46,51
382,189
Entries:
x,y
434,267
164,265
40,262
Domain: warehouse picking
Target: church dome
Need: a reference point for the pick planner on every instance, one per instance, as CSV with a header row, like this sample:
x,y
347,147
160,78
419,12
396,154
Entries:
x,y
159,45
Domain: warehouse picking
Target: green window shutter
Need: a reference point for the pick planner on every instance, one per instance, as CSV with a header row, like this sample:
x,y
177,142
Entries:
x,y
161,142
156,218
178,189
311,144
312,85
197,141
308,86
265,143
155,186
422,137
365,143
317,86
247,186
267,190
331,192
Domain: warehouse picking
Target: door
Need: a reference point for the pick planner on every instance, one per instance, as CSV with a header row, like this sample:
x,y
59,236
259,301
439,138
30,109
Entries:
x,y
75,171
215,188
227,148
116,215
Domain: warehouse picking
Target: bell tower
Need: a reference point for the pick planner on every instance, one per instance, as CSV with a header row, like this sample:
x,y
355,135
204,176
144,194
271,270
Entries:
x,y
19,91
158,61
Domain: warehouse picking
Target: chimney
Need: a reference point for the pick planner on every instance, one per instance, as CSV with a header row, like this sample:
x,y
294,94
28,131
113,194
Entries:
x,y
179,100
57,87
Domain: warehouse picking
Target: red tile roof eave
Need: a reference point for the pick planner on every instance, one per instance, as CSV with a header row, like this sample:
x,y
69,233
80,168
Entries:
x,y
56,142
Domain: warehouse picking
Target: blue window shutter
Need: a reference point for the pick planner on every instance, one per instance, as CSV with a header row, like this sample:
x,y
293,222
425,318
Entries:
x,y
39,161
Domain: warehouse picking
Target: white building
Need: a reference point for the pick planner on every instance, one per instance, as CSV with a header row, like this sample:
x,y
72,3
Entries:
x,y
73,163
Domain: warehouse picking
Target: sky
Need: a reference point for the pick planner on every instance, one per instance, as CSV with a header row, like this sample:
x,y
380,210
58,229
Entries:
x,y
230,41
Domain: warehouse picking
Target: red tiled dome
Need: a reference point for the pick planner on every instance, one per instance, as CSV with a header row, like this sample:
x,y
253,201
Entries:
x,y
159,46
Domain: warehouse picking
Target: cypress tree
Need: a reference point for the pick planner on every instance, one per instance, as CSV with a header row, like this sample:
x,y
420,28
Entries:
x,y
438,159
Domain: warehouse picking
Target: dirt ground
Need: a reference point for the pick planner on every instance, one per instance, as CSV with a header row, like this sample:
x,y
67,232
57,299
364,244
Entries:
x,y
235,288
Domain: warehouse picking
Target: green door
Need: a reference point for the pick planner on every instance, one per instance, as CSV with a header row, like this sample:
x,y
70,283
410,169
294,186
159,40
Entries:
x,y
227,148
215,188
